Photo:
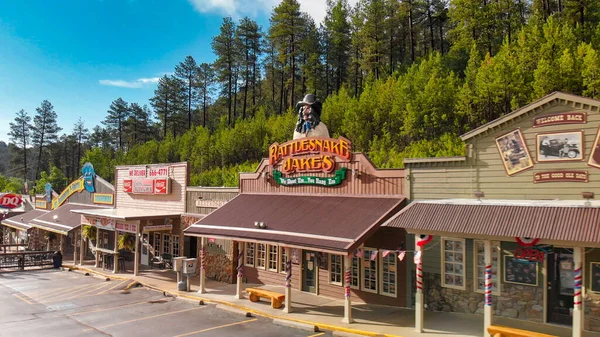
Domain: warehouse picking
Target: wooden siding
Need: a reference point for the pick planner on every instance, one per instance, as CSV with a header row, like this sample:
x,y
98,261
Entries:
x,y
87,198
173,202
368,181
217,194
484,170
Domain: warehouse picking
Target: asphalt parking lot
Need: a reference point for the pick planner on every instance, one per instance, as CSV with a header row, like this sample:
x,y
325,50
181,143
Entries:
x,y
61,303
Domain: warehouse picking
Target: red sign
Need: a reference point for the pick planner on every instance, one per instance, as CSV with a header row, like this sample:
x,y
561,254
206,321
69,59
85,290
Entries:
x,y
158,171
127,185
161,186
125,227
143,186
570,176
562,118
531,254
10,201
137,172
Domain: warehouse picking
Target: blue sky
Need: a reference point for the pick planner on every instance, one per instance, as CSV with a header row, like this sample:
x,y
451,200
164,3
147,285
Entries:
x,y
83,54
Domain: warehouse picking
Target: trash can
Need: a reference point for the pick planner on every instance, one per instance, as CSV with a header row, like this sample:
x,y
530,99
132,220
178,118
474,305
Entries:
x,y
57,260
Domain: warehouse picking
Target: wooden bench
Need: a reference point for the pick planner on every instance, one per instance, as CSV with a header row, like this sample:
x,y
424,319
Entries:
x,y
502,331
276,298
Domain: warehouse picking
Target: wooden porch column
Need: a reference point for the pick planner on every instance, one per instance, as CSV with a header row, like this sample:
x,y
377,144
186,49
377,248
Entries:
x,y
60,248
288,280
97,253
487,309
115,255
202,266
136,255
81,246
347,279
578,292
240,272
74,246
419,295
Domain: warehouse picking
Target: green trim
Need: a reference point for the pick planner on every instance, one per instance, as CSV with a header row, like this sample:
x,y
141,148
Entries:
x,y
337,179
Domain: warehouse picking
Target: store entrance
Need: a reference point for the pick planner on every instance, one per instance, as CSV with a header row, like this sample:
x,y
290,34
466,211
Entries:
x,y
560,286
309,271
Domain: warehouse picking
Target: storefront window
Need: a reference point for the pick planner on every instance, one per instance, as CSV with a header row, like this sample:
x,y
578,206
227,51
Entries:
x,y
453,263
273,257
156,244
479,248
283,258
260,255
355,273
335,269
370,271
249,254
175,245
166,243
388,274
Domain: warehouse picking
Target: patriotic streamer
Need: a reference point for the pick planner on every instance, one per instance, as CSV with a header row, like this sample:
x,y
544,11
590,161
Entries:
x,y
488,285
347,280
527,242
203,257
577,289
288,273
424,239
240,267
419,278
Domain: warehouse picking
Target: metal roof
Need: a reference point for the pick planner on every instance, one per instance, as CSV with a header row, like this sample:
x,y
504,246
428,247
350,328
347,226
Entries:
x,y
338,223
21,221
65,220
126,213
550,220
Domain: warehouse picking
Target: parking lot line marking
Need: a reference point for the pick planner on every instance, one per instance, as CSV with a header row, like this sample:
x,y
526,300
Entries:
x,y
111,288
319,334
86,291
149,317
53,294
22,298
217,327
104,309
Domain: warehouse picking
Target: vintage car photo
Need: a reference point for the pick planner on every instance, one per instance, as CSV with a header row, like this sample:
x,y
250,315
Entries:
x,y
564,146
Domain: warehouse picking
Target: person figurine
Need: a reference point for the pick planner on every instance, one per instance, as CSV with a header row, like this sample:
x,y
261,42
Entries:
x,y
309,119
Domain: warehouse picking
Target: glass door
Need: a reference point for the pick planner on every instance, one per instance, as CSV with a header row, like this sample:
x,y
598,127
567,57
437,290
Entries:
x,y
309,271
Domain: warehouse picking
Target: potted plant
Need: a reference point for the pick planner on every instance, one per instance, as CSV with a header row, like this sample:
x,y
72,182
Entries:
x,y
89,232
126,241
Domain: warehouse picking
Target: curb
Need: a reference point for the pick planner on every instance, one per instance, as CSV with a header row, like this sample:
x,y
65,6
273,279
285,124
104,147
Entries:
x,y
239,309
296,325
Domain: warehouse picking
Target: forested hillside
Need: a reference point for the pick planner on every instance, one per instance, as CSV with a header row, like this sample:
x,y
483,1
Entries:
x,y
399,78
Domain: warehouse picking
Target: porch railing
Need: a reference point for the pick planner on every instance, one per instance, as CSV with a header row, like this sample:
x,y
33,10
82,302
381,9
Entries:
x,y
8,247
22,260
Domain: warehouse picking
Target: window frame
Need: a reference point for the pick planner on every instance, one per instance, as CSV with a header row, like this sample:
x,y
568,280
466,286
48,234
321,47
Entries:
x,y
381,258
358,273
463,263
166,245
476,266
257,254
246,250
376,273
269,260
342,271
281,260
175,243
158,251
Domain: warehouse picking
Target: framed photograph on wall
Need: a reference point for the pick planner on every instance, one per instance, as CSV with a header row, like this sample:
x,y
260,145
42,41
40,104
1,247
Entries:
x,y
513,152
520,271
560,146
595,156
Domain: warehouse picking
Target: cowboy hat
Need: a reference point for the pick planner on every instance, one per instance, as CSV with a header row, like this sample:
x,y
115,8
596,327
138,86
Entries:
x,y
310,99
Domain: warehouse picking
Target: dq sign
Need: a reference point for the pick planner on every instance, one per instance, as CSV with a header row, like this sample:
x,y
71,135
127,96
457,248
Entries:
x,y
10,201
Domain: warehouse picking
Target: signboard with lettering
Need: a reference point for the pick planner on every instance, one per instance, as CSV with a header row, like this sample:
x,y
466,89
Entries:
x,y
157,186
564,176
127,185
337,179
126,227
158,228
41,204
10,200
76,186
149,171
104,198
107,224
162,186
143,186
561,118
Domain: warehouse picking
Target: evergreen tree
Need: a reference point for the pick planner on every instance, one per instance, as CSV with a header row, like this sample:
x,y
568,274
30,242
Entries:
x,y
44,131
223,46
81,135
167,102
204,81
20,134
187,71
115,119
248,38
337,28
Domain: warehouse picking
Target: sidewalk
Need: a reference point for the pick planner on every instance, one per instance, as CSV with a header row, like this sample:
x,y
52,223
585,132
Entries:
x,y
327,313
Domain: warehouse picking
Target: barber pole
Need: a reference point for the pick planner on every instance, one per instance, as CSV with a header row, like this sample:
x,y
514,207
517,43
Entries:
x,y
288,273
347,280
577,289
240,266
488,285
203,258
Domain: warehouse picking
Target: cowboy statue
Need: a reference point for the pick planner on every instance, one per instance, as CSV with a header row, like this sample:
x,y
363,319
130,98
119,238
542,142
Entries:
x,y
309,119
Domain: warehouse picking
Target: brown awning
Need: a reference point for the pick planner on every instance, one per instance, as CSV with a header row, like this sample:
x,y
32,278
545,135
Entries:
x,y
21,221
549,220
65,219
338,223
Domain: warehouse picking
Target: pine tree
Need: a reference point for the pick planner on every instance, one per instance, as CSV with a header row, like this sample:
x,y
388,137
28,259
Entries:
x,y
187,71
118,113
44,131
20,135
81,135
590,71
168,103
248,38
204,81
337,28
223,45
